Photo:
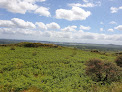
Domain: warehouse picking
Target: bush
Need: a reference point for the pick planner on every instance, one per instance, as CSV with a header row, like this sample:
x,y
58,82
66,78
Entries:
x,y
119,60
34,53
111,72
12,48
94,69
96,51
103,72
35,45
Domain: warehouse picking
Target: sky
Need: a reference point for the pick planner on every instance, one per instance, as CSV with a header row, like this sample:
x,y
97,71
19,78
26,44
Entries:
x,y
81,21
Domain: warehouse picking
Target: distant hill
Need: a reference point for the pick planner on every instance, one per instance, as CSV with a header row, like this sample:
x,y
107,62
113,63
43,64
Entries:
x,y
83,46
101,47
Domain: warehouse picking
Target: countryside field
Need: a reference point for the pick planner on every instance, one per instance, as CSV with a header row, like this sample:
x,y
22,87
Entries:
x,y
49,69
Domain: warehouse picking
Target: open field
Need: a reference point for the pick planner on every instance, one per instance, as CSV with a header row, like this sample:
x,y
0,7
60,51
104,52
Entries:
x,y
49,69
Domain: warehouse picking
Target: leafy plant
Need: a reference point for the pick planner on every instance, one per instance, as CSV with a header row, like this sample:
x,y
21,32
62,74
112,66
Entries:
x,y
12,48
94,69
34,53
119,60
50,69
101,71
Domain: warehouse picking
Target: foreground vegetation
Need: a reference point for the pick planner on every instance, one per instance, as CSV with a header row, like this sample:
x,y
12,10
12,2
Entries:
x,y
49,68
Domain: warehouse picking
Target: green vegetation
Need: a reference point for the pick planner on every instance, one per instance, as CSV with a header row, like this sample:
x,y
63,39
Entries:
x,y
119,60
49,68
103,71
100,47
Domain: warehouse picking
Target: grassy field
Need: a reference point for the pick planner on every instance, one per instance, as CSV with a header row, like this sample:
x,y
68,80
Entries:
x,y
45,69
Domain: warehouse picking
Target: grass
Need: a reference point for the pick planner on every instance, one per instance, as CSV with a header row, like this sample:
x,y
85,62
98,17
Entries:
x,y
46,69
114,87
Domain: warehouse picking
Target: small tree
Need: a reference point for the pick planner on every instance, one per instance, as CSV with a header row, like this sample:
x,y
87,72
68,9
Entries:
x,y
102,71
119,60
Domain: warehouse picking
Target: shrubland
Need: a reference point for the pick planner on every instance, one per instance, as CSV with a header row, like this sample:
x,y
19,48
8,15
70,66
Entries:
x,y
118,61
35,67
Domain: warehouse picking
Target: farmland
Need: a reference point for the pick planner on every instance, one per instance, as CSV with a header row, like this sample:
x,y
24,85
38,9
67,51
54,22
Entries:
x,y
49,69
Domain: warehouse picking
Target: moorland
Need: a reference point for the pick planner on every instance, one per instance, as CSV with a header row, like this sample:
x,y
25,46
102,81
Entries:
x,y
37,67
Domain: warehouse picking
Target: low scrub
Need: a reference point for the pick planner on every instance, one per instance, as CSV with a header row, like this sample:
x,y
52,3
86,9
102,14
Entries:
x,y
12,48
28,44
102,71
119,60
96,51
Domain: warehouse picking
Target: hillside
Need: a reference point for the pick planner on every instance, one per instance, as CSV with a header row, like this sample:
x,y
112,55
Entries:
x,y
48,68
82,46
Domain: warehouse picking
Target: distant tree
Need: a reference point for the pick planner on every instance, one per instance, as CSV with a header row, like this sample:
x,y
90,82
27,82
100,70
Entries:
x,y
101,71
119,60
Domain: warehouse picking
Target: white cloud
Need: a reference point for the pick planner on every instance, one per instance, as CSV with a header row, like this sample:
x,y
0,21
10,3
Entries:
x,y
43,11
97,36
33,1
84,27
61,34
86,4
101,23
75,35
41,25
110,30
53,25
20,28
85,1
47,34
119,27
6,23
82,5
69,29
17,6
41,0
120,7
112,22
115,9
75,13
22,24
23,6
101,29
83,35
19,23
16,31
16,23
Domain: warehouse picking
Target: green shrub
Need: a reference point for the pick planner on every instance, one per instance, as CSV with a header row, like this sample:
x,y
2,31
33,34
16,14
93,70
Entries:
x,y
12,48
119,60
111,72
94,69
34,53
29,44
95,51
105,72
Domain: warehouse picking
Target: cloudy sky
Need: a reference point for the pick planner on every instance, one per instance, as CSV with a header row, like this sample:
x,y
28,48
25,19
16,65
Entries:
x,y
83,21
